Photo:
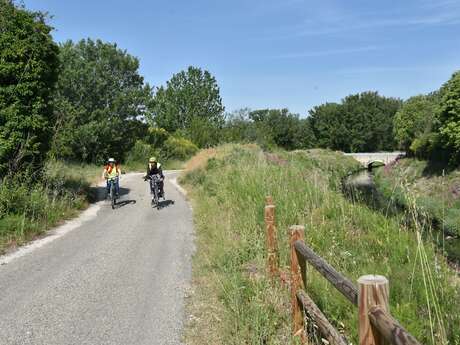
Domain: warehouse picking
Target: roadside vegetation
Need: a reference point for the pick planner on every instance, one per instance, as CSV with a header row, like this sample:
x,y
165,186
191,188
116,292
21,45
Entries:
x,y
233,302
29,206
434,195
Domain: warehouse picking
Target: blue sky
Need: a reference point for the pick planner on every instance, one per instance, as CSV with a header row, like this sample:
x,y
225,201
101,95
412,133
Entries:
x,y
284,53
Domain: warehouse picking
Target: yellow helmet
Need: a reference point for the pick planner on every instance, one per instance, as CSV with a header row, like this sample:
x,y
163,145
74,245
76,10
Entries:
x,y
152,160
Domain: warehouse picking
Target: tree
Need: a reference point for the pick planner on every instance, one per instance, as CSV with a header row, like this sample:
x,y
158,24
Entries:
x,y
191,104
362,122
282,127
269,128
238,128
28,72
449,116
415,119
101,100
328,127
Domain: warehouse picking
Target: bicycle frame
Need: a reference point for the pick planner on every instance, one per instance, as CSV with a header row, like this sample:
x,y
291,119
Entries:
x,y
112,193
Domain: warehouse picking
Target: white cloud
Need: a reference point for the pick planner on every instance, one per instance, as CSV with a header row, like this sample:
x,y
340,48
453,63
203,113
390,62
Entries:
x,y
429,13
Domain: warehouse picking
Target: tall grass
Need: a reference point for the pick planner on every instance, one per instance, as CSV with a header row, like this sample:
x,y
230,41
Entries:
x,y
28,207
228,192
435,193
433,196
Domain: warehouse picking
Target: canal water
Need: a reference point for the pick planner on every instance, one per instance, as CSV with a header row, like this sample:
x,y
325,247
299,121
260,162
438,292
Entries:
x,y
360,187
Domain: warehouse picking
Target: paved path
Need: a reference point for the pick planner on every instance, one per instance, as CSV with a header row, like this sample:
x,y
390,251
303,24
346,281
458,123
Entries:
x,y
118,278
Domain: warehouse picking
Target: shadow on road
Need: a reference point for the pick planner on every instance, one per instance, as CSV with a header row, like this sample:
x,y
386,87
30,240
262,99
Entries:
x,y
99,193
121,203
165,203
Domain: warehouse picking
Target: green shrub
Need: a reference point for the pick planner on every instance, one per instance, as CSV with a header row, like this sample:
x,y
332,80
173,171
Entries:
x,y
140,153
28,206
426,146
157,136
178,148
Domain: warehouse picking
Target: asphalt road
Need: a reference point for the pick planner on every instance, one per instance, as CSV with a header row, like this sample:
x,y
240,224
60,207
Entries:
x,y
120,277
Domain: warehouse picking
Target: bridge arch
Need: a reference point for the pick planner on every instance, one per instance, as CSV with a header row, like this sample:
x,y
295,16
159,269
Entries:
x,y
375,163
370,159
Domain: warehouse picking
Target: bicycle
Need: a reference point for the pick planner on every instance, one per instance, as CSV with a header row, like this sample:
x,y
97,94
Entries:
x,y
112,192
155,190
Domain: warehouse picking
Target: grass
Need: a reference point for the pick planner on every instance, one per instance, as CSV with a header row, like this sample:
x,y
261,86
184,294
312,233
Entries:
x,y
233,303
437,195
433,195
28,209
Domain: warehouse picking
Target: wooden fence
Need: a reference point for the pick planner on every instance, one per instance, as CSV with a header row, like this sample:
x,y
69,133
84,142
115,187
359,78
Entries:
x,y
376,326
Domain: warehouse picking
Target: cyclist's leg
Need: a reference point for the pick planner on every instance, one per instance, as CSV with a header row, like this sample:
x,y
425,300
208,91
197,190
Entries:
x,y
117,186
162,192
151,186
107,187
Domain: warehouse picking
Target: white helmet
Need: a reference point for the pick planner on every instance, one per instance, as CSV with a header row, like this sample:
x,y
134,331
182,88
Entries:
x,y
111,160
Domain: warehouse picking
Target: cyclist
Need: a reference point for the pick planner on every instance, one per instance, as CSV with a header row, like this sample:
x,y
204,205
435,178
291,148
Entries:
x,y
154,168
112,171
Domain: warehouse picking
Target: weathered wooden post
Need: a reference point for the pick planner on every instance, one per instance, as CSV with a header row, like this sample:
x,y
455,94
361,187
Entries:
x,y
272,247
296,234
373,291
268,200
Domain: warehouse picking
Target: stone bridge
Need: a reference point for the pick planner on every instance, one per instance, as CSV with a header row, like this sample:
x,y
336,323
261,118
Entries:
x,y
376,158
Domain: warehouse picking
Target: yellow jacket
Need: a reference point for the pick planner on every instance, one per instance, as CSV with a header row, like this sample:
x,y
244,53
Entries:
x,y
111,171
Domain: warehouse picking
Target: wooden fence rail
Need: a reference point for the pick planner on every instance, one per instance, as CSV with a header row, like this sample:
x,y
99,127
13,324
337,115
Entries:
x,y
376,326
341,283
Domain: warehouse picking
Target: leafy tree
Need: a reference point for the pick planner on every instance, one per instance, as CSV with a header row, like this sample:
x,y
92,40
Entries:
x,y
191,104
100,102
269,128
328,127
238,128
415,119
28,72
362,122
306,138
370,121
449,115
281,126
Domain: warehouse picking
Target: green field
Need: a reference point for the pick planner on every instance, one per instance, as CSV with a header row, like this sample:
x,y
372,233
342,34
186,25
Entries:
x,y
232,301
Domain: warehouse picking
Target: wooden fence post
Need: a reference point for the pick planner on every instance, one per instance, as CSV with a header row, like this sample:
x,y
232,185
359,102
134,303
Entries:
x,y
268,200
296,234
272,247
373,291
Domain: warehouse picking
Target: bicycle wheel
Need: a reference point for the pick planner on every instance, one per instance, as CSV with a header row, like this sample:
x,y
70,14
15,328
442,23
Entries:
x,y
152,193
155,197
112,195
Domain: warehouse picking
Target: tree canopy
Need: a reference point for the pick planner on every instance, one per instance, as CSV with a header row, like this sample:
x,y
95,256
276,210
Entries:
x,y
268,128
100,101
449,115
414,119
28,72
191,104
361,122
